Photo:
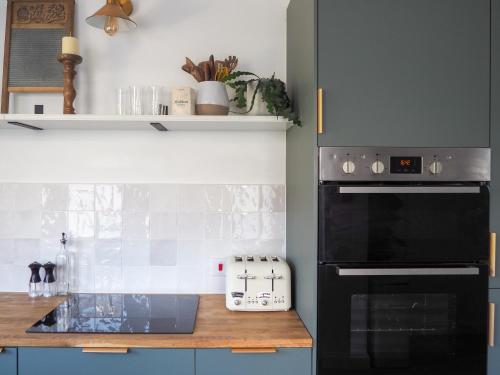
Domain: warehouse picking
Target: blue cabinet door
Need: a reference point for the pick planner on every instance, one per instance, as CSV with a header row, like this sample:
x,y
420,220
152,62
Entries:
x,y
8,361
495,130
56,361
494,352
224,362
411,73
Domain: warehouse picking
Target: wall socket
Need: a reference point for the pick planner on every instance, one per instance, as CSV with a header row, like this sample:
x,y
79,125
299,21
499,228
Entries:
x,y
218,267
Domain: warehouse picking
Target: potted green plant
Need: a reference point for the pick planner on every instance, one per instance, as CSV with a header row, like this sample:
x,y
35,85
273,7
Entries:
x,y
272,90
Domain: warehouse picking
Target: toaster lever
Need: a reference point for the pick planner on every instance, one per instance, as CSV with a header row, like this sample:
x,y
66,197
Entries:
x,y
245,276
273,277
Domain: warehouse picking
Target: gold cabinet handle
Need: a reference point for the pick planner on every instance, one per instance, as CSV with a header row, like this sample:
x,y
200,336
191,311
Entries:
x,y
320,111
253,350
491,326
106,350
493,254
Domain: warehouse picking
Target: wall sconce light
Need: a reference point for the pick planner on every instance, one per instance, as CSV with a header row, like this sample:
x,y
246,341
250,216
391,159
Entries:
x,y
113,17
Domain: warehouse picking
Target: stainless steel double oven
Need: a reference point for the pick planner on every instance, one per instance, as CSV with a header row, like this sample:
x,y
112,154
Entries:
x,y
403,261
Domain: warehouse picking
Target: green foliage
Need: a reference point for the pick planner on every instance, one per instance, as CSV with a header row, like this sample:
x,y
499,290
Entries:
x,y
273,93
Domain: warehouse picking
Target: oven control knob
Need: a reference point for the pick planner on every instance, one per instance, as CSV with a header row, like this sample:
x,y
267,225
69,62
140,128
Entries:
x,y
348,167
378,167
436,167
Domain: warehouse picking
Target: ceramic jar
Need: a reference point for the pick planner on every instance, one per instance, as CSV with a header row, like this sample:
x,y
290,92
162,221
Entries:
x,y
212,99
260,106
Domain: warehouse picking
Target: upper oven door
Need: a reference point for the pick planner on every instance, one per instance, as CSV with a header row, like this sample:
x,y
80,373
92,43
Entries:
x,y
403,223
399,321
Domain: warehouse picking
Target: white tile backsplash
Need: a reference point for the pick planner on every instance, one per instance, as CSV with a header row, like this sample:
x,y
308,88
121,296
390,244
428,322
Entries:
x,y
156,238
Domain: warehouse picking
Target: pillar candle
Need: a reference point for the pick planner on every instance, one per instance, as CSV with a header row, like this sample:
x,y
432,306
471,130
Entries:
x,y
70,45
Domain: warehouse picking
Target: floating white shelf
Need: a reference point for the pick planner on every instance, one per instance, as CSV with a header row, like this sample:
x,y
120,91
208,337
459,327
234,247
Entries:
x,y
144,123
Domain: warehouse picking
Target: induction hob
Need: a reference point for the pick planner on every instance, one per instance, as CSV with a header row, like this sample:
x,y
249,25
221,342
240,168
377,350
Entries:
x,y
121,313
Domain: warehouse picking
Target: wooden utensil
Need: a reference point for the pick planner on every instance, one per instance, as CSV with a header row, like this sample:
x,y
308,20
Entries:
x,y
194,70
211,62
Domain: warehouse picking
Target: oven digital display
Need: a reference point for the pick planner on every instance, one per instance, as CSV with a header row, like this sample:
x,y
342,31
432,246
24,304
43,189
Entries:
x,y
406,164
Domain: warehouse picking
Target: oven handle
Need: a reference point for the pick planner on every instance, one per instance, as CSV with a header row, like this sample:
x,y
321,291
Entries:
x,y
409,189
407,271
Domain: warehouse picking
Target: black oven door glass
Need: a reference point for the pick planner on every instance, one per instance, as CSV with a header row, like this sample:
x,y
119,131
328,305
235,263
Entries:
x,y
400,325
402,226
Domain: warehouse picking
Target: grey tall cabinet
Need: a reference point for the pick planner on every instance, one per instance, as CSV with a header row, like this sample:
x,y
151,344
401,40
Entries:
x,y
407,73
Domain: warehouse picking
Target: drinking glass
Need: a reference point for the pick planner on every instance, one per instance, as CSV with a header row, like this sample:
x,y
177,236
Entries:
x,y
137,100
123,101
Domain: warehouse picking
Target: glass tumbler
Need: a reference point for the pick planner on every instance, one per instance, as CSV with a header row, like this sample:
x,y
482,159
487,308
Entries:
x,y
123,101
137,100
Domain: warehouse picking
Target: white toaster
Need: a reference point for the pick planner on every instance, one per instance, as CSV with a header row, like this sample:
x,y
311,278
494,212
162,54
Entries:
x,y
258,283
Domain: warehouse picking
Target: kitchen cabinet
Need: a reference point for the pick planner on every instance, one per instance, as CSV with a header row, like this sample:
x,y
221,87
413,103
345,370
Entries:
x,y
8,361
225,362
494,351
495,129
63,361
411,73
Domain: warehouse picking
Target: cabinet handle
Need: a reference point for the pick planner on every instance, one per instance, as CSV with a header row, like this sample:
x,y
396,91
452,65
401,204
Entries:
x,y
253,350
491,326
106,350
320,111
493,254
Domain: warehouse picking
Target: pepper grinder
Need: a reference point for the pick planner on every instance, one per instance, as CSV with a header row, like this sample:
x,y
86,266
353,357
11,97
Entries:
x,y
49,282
35,287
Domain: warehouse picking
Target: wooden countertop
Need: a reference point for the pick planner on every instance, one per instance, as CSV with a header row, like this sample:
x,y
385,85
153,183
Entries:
x,y
215,327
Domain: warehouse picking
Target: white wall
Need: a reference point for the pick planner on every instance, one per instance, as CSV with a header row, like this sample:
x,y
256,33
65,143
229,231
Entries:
x,y
254,30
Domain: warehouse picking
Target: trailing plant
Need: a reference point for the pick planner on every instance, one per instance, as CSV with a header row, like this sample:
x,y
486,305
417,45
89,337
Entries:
x,y
273,92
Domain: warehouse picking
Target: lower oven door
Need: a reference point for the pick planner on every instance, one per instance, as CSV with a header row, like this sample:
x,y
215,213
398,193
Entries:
x,y
401,321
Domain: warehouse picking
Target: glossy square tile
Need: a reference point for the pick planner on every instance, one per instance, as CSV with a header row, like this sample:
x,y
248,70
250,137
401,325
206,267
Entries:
x,y
7,225
81,197
190,226
246,226
271,247
27,251
49,248
54,223
108,224
273,225
108,197
163,253
137,279
163,279
190,280
108,279
217,249
192,198
27,224
84,249
219,198
28,197
108,253
164,198
85,278
190,253
55,197
136,253
244,247
136,225
218,226
273,198
136,198
81,224
7,197
164,226
7,252
246,198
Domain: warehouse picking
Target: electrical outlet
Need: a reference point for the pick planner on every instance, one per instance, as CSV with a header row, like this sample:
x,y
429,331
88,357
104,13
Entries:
x,y
218,267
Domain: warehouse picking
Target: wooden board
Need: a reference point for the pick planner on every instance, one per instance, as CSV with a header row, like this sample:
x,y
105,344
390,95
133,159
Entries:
x,y
33,34
216,327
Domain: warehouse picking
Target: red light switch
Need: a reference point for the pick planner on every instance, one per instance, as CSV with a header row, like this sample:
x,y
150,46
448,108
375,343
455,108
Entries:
x,y
221,266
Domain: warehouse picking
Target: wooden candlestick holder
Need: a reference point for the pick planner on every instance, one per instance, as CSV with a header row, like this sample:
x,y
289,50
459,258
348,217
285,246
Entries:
x,y
69,62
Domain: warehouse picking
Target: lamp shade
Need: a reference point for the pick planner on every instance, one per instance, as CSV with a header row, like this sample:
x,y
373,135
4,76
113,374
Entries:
x,y
115,11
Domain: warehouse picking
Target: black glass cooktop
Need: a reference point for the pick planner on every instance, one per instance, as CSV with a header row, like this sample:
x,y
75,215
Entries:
x,y
121,313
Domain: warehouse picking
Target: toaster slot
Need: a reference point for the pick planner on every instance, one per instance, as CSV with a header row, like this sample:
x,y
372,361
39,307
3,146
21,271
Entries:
x,y
275,259
263,259
250,258
238,259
